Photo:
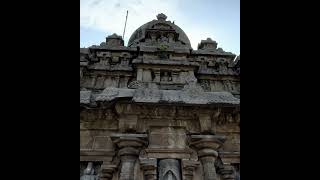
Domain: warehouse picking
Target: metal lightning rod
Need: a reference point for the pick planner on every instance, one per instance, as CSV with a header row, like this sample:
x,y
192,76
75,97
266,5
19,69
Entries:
x,y
124,30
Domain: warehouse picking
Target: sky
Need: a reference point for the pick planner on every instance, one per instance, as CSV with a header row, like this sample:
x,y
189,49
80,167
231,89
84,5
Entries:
x,y
199,19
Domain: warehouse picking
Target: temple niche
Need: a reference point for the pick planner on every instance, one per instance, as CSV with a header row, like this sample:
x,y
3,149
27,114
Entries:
x,y
157,109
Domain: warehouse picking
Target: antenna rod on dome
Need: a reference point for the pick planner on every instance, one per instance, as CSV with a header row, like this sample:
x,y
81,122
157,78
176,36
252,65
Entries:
x,y
125,24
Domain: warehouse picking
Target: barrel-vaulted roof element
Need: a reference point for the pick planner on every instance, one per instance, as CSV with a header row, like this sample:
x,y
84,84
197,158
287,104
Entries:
x,y
140,33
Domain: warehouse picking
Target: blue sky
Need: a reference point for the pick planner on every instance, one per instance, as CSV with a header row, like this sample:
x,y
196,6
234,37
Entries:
x,y
200,19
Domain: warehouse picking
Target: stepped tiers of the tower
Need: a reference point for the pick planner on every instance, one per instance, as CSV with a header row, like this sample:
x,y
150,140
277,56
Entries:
x,y
157,109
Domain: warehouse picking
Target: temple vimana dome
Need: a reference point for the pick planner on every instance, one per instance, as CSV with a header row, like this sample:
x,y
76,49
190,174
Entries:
x,y
157,109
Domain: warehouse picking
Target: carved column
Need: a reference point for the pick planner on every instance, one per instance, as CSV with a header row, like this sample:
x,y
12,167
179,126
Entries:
x,y
207,146
149,168
107,171
175,76
129,146
139,74
115,81
93,81
125,82
156,75
146,75
188,168
228,172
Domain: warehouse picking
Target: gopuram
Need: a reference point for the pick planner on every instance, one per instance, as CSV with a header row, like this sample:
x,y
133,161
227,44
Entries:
x,y
158,110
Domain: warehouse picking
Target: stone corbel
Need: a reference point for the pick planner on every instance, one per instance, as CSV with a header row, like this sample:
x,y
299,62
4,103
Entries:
x,y
188,169
149,167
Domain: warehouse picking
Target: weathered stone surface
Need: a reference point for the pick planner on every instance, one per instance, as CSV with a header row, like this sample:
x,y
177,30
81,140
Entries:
x,y
189,95
89,173
157,109
169,169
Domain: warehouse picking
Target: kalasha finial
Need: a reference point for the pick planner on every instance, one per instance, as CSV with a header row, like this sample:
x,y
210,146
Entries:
x,y
161,17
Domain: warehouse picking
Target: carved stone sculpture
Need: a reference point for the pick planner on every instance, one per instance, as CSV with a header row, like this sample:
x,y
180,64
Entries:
x,y
169,169
88,173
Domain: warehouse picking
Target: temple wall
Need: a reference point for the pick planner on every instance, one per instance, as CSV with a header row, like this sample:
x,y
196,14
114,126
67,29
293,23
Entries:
x,y
167,135
157,109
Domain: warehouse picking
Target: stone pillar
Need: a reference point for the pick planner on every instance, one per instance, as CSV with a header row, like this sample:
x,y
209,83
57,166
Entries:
x,y
117,81
146,75
188,168
93,81
129,146
228,172
149,168
125,82
175,76
139,74
156,75
107,171
207,146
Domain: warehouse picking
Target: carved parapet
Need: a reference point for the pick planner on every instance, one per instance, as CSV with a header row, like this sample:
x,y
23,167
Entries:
x,y
188,168
129,146
149,167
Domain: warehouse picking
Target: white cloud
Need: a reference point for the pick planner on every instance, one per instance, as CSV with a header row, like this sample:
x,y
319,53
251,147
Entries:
x,y
109,16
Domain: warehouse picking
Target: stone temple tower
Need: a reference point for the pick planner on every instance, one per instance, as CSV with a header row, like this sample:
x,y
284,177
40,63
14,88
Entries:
x,y
157,109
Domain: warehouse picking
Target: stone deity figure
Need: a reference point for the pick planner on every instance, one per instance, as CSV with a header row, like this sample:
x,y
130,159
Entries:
x,y
88,173
163,39
223,69
165,77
